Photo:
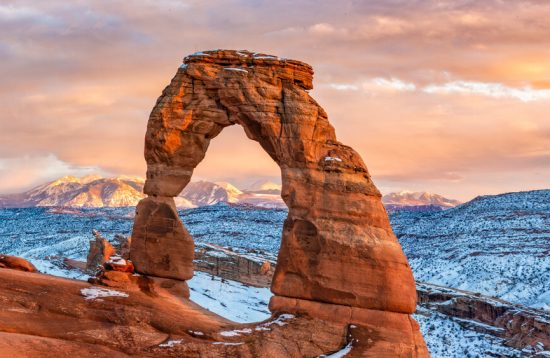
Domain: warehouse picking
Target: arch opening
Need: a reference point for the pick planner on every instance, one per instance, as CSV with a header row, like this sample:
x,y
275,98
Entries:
x,y
237,238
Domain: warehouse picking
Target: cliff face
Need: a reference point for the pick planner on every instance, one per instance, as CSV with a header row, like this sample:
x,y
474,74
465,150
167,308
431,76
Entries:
x,y
338,252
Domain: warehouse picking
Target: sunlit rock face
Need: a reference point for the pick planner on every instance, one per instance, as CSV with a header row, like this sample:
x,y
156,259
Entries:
x,y
338,248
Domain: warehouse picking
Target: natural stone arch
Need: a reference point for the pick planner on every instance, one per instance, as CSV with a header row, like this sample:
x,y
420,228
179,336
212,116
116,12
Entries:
x,y
338,253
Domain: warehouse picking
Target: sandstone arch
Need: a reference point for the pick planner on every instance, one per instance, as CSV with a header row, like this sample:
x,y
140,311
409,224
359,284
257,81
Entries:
x,y
338,254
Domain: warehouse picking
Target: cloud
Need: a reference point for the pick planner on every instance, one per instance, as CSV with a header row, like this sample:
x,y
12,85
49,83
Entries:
x,y
322,29
419,88
377,84
344,86
390,84
25,172
495,90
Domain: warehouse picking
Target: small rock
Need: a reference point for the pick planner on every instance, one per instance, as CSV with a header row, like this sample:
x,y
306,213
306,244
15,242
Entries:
x,y
16,263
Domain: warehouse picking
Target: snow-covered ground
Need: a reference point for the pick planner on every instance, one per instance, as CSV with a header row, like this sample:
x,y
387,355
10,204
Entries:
x,y
448,339
496,245
230,299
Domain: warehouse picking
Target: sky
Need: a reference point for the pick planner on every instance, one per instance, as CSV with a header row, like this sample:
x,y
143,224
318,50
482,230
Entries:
x,y
452,97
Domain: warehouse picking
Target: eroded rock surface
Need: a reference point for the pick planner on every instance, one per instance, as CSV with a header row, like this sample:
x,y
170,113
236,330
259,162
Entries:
x,y
47,316
16,263
338,248
100,252
161,246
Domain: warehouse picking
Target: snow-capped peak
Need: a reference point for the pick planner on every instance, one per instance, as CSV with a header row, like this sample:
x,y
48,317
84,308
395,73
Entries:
x,y
418,198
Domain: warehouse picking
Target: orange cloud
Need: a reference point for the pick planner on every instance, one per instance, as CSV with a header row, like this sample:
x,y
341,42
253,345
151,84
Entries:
x,y
447,96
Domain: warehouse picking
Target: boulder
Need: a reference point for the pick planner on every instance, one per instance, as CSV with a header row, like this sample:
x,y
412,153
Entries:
x,y
117,263
161,246
16,263
100,252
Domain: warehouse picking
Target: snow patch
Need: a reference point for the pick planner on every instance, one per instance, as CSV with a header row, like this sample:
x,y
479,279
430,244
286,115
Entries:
x,y
235,69
170,343
230,299
279,321
341,353
116,260
92,293
236,332
229,343
330,159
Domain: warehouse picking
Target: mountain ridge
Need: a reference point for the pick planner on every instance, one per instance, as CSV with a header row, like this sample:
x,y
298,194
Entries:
x,y
94,191
417,201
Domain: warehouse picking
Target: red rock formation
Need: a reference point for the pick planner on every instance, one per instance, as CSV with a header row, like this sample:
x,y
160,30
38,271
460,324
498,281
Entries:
x,y
224,263
161,246
100,252
47,316
337,247
16,263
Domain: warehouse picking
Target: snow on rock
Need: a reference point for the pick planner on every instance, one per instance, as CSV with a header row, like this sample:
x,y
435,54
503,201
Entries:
x,y
341,353
117,260
235,69
330,159
170,343
279,321
229,343
94,292
236,332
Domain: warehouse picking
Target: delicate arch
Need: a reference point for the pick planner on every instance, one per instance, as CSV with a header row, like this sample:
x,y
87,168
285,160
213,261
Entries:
x,y
337,244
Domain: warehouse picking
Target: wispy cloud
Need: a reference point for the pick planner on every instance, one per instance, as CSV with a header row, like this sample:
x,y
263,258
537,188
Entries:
x,y
488,89
495,90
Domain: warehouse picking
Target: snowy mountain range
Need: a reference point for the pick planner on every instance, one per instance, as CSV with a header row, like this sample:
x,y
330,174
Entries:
x,y
417,201
98,192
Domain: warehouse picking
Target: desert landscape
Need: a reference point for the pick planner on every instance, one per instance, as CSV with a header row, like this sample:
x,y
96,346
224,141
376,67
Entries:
x,y
234,222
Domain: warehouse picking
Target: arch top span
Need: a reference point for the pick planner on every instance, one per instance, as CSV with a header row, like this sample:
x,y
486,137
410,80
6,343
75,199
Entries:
x,y
338,249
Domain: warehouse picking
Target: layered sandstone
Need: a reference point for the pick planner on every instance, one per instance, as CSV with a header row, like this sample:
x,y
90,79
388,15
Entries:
x,y
161,246
46,316
337,247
